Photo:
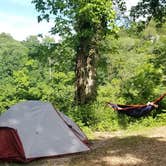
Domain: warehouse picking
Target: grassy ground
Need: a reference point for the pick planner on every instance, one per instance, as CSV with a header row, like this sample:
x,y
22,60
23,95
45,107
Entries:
x,y
122,148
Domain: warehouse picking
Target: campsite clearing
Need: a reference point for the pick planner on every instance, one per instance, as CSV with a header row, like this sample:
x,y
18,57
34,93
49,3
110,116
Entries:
x,y
147,148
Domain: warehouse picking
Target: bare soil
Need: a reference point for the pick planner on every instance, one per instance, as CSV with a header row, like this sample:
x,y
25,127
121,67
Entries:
x,y
140,148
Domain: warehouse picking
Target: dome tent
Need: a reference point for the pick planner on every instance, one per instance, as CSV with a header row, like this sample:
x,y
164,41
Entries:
x,y
34,129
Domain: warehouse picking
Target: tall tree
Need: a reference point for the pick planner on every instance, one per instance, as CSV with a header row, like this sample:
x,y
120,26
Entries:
x,y
149,9
87,22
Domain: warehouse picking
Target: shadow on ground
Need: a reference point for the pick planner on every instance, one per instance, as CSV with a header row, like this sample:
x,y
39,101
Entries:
x,y
127,151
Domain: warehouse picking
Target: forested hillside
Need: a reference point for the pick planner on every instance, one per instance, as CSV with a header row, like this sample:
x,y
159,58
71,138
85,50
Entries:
x,y
96,61
131,70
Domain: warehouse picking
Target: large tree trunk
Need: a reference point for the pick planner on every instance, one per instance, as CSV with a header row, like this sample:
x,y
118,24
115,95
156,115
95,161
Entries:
x,y
85,73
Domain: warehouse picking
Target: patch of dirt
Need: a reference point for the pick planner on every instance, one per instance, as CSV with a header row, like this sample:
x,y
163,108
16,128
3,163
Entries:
x,y
141,148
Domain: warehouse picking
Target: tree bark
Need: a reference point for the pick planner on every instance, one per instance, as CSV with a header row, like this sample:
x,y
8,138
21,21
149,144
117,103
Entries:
x,y
85,73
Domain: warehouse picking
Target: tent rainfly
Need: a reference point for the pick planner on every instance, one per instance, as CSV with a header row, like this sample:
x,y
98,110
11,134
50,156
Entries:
x,y
34,129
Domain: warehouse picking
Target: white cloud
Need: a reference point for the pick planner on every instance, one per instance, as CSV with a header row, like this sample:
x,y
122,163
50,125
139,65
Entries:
x,y
21,27
130,3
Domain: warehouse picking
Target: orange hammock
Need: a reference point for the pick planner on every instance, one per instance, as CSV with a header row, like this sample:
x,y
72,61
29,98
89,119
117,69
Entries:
x,y
137,110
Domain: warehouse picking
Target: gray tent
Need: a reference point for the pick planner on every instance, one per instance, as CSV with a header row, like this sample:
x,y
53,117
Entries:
x,y
33,129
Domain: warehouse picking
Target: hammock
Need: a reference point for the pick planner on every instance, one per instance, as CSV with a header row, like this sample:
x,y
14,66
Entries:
x,y
137,110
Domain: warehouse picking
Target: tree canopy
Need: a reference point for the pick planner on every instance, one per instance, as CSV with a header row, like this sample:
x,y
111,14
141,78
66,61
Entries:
x,y
88,22
72,16
150,9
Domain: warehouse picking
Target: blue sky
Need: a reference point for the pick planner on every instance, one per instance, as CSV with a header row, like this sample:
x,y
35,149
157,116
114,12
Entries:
x,y
19,18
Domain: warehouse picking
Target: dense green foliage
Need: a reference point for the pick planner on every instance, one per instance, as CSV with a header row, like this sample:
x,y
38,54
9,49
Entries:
x,y
89,61
35,70
131,70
